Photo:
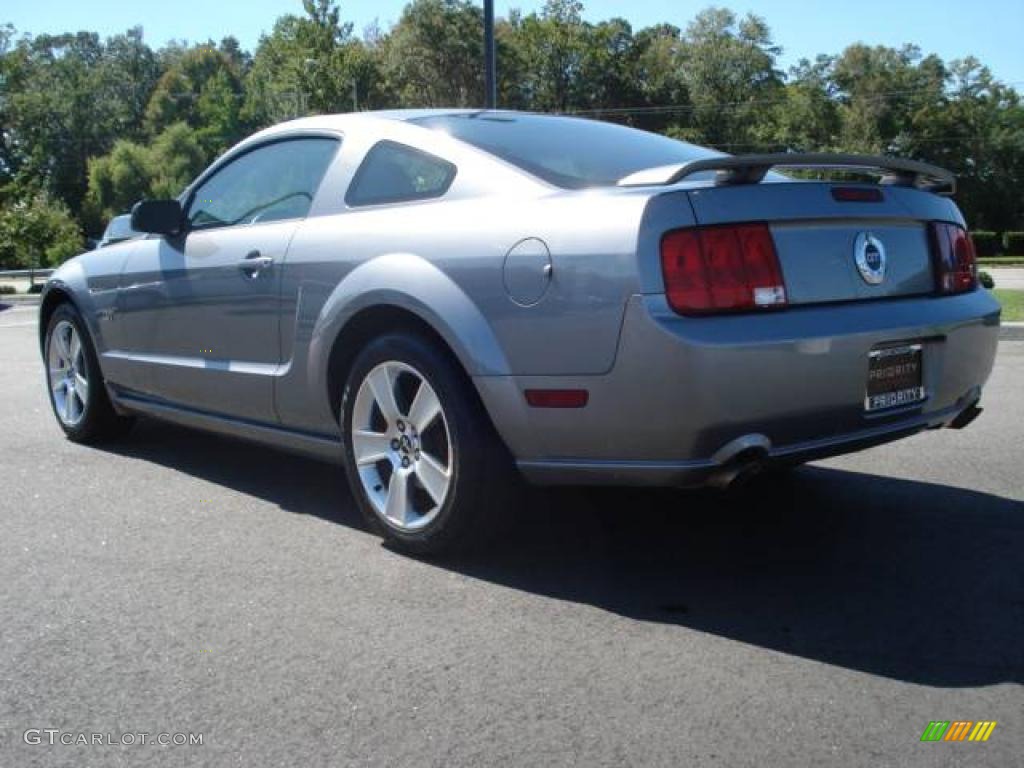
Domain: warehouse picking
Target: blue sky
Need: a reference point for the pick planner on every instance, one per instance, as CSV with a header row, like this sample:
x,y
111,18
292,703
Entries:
x,y
988,29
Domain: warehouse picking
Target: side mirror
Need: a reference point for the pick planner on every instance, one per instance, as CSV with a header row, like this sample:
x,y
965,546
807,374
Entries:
x,y
158,217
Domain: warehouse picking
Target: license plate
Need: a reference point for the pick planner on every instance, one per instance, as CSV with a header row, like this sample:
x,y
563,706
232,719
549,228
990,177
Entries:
x,y
894,377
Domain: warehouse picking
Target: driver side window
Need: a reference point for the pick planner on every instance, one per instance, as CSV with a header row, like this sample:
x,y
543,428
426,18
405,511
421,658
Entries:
x,y
270,183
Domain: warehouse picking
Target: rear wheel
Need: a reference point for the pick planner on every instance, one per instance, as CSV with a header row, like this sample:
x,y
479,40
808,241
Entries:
x,y
74,382
421,455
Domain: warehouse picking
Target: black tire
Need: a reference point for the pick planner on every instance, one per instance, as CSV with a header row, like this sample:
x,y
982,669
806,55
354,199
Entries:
x,y
482,481
99,421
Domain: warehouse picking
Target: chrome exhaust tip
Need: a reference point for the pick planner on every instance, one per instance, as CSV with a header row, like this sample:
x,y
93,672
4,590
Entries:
x,y
737,473
966,416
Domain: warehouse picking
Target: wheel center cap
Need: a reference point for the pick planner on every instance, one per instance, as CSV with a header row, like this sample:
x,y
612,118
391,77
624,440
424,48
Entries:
x,y
405,443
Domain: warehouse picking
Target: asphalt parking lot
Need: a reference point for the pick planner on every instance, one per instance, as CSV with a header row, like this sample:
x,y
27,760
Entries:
x,y
178,582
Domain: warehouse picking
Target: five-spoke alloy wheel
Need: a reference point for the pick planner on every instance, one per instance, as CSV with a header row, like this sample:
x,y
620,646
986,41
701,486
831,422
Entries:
x,y
75,384
69,374
420,452
401,444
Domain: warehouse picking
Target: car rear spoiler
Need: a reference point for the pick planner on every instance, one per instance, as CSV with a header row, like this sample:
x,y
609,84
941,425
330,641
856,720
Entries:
x,y
751,169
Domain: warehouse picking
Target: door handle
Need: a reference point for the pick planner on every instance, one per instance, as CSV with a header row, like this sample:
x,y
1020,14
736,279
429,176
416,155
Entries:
x,y
254,263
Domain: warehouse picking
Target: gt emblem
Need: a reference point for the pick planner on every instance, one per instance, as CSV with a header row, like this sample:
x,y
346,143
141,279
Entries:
x,y
869,253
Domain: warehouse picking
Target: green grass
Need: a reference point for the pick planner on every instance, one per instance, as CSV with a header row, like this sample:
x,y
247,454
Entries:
x,y
1013,304
1001,261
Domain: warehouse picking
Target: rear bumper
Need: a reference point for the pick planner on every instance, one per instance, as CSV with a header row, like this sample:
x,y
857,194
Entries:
x,y
700,471
687,395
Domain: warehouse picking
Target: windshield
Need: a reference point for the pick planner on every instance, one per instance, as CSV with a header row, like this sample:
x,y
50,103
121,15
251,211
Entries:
x,y
569,152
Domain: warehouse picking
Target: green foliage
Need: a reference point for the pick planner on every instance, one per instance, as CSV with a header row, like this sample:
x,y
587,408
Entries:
x,y
986,243
310,65
433,55
66,98
96,124
1013,305
203,89
729,71
36,231
1013,243
807,117
132,172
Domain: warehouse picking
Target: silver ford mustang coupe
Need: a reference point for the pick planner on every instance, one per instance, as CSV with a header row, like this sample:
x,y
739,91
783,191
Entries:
x,y
437,298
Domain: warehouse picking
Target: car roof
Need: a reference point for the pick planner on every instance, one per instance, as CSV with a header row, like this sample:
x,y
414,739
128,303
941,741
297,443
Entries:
x,y
349,120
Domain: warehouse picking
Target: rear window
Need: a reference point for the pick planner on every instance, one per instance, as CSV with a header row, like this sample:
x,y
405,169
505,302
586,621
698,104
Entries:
x,y
395,173
568,152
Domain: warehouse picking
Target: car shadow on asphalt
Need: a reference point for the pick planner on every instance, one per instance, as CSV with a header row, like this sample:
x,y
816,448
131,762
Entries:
x,y
909,580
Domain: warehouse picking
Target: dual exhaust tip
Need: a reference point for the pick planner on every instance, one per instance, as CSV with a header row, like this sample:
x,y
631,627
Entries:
x,y
737,471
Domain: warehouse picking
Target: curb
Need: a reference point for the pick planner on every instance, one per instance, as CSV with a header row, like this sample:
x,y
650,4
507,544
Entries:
x,y
1011,332
15,299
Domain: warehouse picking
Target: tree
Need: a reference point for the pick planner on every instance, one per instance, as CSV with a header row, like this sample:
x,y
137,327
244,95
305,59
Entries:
x,y
36,231
65,109
433,55
976,129
658,76
131,71
552,48
607,69
878,88
728,66
96,124
132,172
310,65
202,88
807,118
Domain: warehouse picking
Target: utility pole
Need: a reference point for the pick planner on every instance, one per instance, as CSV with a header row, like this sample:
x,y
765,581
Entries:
x,y
490,73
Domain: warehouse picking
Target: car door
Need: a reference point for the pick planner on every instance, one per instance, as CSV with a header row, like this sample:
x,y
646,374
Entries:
x,y
200,310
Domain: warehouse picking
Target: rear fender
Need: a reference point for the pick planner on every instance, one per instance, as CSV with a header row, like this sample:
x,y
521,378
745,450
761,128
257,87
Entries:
x,y
414,284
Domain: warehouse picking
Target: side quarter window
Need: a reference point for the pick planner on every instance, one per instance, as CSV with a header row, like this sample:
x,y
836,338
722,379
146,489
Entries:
x,y
272,182
395,173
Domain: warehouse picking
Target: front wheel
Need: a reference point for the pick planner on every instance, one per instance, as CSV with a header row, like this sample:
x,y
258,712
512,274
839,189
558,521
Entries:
x,y
76,388
422,458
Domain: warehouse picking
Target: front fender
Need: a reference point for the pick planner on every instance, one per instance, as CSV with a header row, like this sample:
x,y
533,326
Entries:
x,y
68,280
412,283
90,281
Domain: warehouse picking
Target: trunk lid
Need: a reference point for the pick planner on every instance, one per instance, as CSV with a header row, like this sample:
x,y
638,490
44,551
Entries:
x,y
818,237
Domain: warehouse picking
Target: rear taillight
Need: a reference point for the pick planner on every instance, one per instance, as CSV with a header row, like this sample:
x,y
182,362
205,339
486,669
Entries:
x,y
956,269
721,269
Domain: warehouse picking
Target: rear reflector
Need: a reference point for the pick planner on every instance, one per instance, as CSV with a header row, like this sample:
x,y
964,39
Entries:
x,y
857,194
721,269
557,398
956,269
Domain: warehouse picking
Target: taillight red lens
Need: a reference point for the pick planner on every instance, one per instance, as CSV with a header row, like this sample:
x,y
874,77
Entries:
x,y
721,269
956,269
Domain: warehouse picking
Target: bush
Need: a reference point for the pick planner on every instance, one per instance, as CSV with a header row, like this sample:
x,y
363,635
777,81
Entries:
x,y
1014,243
7,289
986,243
986,280
37,231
